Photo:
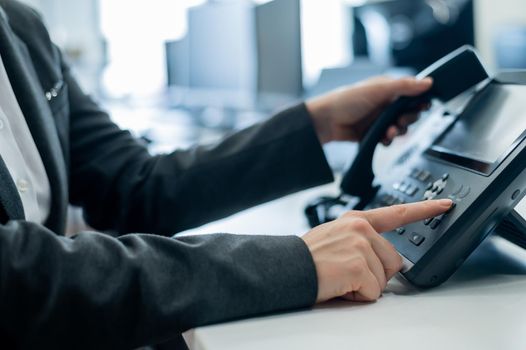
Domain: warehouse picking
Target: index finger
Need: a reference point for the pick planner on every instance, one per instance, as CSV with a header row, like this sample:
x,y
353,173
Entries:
x,y
390,218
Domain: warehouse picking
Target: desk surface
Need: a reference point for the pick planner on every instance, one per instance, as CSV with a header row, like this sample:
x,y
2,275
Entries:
x,y
482,306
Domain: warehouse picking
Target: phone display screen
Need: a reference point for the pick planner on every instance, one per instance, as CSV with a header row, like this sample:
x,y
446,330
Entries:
x,y
487,131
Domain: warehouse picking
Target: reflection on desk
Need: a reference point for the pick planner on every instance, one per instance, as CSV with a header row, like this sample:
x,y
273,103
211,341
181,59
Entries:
x,y
480,307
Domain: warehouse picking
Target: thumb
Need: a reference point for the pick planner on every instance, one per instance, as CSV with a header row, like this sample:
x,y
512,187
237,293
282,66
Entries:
x,y
409,86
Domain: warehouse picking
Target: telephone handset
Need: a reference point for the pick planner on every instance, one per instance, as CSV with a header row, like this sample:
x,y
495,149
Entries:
x,y
452,75
477,158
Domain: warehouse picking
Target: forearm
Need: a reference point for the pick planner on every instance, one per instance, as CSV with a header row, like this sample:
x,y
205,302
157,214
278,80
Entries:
x,y
122,188
206,183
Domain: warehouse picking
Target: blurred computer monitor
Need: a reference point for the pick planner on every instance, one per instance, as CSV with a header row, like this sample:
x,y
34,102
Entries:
x,y
221,40
178,62
278,40
510,47
240,53
412,33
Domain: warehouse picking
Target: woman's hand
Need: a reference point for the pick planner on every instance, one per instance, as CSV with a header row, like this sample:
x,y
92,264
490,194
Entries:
x,y
352,259
346,114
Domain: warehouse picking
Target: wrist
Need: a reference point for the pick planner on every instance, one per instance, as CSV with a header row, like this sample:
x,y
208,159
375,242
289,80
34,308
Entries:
x,y
319,112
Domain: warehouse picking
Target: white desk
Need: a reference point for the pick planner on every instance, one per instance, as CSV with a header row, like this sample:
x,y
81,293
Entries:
x,y
483,306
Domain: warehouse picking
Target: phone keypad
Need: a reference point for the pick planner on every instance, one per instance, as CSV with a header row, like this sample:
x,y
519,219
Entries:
x,y
422,179
420,175
406,188
433,223
436,187
389,199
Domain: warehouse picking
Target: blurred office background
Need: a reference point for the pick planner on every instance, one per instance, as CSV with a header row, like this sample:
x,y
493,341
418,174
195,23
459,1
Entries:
x,y
179,72
200,68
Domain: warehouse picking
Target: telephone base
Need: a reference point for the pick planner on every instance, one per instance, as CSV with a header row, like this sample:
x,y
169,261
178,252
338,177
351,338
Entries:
x,y
513,229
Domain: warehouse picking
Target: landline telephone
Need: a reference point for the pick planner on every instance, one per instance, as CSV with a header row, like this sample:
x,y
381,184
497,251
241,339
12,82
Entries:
x,y
476,157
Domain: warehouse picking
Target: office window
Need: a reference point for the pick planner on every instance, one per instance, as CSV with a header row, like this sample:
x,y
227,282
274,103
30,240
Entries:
x,y
325,36
135,32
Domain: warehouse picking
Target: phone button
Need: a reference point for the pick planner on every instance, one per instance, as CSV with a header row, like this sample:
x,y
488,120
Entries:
x,y
424,176
411,190
400,230
415,172
434,224
457,190
465,192
416,238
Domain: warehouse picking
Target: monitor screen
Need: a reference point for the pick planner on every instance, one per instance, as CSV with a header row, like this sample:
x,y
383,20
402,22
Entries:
x,y
278,48
220,42
487,131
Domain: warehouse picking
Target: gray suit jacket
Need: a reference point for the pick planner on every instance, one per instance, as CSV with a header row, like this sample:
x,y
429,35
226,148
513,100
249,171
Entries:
x,y
95,291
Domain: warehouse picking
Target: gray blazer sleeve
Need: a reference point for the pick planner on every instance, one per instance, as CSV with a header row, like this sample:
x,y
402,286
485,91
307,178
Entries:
x,y
93,291
122,188
98,292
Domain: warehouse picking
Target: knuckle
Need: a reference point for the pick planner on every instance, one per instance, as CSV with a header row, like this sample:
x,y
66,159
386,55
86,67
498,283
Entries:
x,y
357,266
359,224
400,211
361,244
352,214
407,83
381,79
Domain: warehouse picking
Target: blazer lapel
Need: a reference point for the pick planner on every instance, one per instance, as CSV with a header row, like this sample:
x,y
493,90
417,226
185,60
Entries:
x,y
34,105
9,196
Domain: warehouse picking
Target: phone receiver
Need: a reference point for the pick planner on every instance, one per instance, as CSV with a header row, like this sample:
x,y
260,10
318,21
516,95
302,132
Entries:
x,y
452,75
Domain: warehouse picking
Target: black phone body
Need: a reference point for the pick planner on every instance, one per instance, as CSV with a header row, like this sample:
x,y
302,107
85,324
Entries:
x,y
478,160
476,157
